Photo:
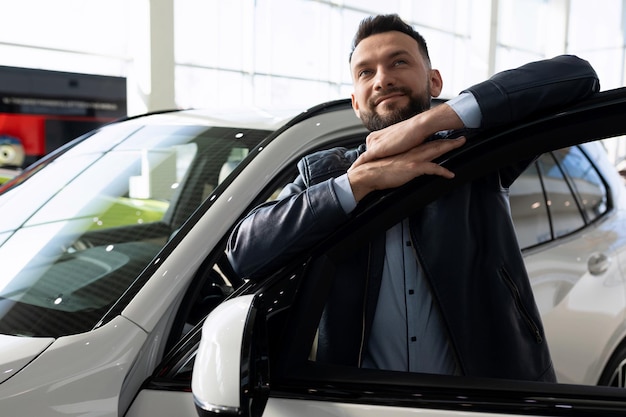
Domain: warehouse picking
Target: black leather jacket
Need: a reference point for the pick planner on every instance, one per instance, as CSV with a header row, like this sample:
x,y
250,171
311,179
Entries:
x,y
465,242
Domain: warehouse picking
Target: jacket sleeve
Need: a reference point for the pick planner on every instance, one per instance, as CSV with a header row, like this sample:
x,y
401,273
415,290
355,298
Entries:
x,y
534,88
306,211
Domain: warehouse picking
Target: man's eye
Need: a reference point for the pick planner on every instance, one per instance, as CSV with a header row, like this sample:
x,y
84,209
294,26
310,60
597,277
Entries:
x,y
364,73
399,62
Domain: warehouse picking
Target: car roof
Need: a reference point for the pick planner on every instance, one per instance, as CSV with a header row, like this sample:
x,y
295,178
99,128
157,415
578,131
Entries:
x,y
250,118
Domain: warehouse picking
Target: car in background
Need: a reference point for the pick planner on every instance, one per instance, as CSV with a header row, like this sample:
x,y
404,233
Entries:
x,y
116,256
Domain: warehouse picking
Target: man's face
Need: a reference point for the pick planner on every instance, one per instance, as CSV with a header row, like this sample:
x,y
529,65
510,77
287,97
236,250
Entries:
x,y
392,81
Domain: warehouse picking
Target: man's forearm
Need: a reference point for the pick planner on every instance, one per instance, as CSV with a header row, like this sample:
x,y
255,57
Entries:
x,y
534,88
271,233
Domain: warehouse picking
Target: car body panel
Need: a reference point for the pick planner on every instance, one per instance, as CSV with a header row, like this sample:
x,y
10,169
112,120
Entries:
x,y
278,407
94,368
575,358
245,118
17,352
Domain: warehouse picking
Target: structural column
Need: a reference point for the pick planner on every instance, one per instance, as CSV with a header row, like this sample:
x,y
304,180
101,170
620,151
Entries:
x,y
151,76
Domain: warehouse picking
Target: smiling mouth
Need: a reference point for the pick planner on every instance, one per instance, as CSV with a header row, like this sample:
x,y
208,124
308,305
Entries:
x,y
387,97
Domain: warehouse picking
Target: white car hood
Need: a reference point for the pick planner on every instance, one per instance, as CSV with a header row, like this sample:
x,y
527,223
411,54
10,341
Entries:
x,y
16,352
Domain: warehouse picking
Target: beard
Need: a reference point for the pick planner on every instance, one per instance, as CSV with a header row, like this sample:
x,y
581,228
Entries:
x,y
375,121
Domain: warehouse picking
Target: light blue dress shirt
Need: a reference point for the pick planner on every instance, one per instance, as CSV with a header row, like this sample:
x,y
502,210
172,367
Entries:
x,y
408,333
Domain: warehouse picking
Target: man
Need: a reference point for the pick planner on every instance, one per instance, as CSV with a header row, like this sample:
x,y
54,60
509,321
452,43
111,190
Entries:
x,y
445,291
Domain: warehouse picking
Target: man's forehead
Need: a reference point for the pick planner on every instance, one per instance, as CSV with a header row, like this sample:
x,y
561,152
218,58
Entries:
x,y
381,44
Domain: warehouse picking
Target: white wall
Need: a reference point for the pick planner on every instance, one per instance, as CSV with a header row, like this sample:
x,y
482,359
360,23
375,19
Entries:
x,y
292,53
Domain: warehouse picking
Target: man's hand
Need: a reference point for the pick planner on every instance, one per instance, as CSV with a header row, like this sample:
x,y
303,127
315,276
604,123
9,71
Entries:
x,y
396,170
408,134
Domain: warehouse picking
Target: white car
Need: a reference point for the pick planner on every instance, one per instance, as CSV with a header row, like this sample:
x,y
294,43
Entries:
x,y
113,254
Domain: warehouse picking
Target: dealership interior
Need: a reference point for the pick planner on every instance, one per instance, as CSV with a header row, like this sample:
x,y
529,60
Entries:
x,y
181,233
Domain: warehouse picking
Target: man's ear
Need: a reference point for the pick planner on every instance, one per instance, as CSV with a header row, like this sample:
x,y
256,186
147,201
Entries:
x,y
355,105
436,83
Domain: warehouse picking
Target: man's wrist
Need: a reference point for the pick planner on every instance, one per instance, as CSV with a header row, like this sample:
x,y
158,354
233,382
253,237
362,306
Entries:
x,y
437,119
358,183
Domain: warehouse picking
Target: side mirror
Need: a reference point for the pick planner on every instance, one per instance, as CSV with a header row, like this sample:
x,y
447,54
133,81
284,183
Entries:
x,y
228,374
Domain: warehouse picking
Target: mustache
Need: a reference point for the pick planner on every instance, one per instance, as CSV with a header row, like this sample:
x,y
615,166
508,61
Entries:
x,y
391,90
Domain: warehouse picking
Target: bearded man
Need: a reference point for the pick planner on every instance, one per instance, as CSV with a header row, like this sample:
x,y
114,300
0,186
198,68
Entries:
x,y
434,294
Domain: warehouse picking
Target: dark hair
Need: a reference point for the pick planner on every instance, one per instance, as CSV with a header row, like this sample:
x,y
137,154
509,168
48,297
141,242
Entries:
x,y
373,25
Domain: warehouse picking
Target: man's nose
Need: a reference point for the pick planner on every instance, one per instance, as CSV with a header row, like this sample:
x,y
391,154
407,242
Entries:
x,y
384,79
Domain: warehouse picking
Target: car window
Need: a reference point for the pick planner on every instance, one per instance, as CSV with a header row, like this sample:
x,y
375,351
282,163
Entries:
x,y
563,208
67,264
557,195
585,181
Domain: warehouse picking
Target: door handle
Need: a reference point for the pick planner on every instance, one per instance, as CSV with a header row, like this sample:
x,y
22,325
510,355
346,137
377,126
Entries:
x,y
598,263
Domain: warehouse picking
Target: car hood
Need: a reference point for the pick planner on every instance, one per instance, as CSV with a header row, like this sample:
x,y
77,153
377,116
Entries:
x,y
16,352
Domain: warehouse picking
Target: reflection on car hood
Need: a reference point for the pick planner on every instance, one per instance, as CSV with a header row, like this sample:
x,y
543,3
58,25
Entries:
x,y
16,352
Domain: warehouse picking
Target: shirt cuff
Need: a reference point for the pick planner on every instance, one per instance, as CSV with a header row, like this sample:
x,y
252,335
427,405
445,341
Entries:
x,y
343,190
466,107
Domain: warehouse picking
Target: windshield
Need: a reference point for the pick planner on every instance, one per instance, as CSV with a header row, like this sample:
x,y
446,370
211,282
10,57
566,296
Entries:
x,y
76,234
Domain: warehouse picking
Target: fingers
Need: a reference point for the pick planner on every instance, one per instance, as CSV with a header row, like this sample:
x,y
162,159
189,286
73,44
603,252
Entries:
x,y
359,161
397,170
424,152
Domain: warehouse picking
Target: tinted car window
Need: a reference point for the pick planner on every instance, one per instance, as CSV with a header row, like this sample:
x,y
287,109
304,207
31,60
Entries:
x,y
555,196
586,182
64,269
564,212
